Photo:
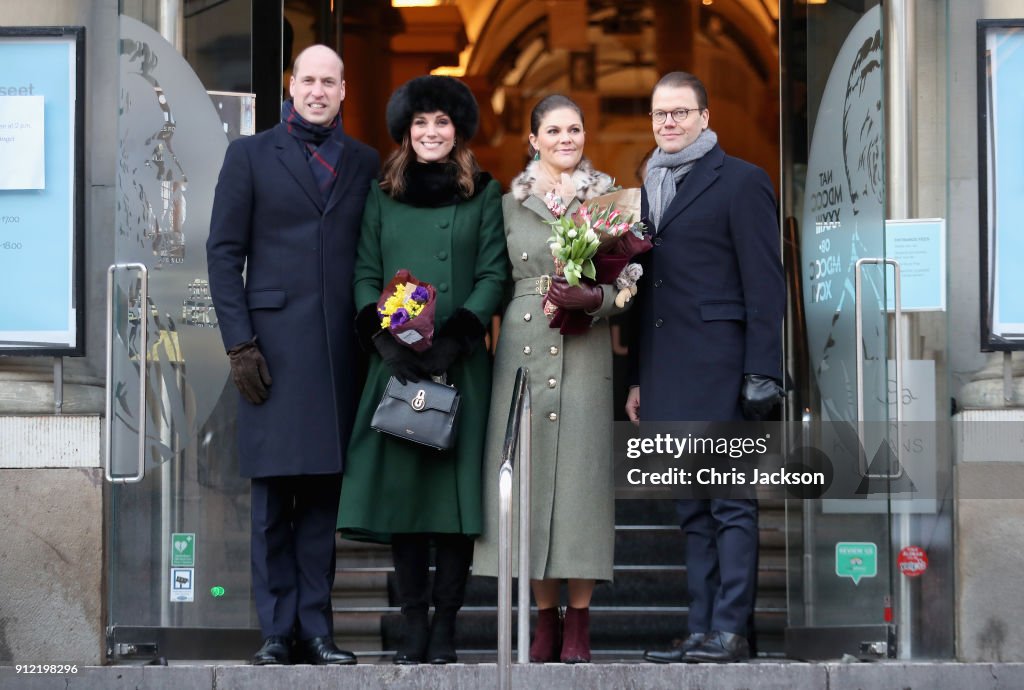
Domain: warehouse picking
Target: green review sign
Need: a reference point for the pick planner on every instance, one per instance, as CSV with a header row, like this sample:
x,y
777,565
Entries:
x,y
856,559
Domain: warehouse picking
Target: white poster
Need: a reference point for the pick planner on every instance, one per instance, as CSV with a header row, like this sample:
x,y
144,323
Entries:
x,y
21,143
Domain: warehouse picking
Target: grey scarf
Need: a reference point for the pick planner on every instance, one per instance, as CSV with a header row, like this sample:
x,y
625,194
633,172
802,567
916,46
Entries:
x,y
665,170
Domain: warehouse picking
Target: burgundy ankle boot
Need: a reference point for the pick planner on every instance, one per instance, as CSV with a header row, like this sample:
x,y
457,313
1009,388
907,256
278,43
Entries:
x,y
576,636
547,638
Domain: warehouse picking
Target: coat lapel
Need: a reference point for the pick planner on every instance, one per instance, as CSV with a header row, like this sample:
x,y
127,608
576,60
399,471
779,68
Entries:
x,y
296,164
702,176
537,205
345,171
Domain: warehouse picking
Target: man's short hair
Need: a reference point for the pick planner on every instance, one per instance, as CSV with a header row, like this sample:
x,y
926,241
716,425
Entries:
x,y
678,80
295,62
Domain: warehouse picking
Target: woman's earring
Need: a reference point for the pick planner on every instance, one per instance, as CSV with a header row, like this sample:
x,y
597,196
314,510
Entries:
x,y
536,155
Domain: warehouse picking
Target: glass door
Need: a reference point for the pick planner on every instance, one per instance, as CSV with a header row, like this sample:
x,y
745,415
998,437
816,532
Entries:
x,y
178,513
845,335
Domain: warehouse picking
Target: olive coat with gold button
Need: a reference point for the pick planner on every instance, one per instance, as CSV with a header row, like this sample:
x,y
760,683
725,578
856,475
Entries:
x,y
391,485
573,509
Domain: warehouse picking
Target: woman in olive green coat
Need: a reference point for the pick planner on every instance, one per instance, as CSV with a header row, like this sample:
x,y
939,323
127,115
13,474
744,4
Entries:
x,y
435,214
572,497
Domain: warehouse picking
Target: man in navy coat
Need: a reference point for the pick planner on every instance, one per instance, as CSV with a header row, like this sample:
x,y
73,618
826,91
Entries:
x,y
707,341
287,212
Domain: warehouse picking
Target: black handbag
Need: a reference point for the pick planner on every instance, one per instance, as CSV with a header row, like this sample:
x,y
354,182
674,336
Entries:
x,y
425,412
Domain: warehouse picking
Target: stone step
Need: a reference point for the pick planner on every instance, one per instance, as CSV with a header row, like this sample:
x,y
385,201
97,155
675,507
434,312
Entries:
x,y
763,675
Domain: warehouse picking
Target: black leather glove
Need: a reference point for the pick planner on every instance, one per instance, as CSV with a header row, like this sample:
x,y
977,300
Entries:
x,y
760,394
405,365
584,296
367,326
461,333
250,372
441,355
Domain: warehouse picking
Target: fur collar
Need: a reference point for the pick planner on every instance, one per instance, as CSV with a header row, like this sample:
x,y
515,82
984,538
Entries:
x,y
589,181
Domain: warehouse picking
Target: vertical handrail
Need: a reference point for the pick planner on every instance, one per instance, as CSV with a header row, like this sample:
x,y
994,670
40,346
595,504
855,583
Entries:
x,y
865,470
808,527
143,365
525,511
517,436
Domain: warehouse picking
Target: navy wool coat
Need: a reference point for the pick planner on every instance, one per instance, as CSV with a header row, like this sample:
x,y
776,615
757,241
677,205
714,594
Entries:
x,y
296,296
712,298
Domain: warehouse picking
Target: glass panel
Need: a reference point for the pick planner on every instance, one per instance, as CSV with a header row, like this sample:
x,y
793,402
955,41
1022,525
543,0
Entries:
x,y
829,56
834,202
179,539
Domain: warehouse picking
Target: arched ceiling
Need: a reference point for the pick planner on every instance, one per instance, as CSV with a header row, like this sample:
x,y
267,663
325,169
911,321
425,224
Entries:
x,y
499,30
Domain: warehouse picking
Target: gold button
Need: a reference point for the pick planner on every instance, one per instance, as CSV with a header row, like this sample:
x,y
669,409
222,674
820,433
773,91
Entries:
x,y
527,316
553,350
527,350
525,256
551,383
553,417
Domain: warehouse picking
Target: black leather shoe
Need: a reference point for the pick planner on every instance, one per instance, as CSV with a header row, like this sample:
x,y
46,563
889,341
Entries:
x,y
678,651
720,648
274,652
321,651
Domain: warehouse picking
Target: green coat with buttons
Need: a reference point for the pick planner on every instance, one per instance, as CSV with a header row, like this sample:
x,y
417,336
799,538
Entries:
x,y
572,493
391,485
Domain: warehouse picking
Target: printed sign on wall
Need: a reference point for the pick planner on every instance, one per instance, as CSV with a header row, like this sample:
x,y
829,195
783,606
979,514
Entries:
x,y
22,160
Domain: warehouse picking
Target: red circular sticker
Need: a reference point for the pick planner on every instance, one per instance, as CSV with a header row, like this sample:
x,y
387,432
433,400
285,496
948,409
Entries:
x,y
912,561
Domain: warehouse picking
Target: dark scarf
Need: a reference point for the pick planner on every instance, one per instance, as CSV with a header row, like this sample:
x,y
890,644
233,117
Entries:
x,y
321,144
432,185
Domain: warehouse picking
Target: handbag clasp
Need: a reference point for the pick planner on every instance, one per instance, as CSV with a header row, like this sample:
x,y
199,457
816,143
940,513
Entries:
x,y
420,401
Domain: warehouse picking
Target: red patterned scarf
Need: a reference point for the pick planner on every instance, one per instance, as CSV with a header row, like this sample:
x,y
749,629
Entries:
x,y
321,144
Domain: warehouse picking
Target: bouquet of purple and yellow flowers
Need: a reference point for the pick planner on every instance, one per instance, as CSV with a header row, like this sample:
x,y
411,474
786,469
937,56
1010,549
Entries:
x,y
406,308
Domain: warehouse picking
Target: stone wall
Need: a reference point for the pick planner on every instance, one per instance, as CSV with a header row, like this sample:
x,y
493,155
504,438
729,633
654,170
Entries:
x,y
51,484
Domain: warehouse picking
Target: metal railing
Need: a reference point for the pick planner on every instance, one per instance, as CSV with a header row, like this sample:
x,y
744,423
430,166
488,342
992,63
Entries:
x,y
517,437
143,368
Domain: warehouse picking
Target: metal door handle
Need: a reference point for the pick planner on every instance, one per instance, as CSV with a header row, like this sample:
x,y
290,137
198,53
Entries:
x,y
859,358
143,365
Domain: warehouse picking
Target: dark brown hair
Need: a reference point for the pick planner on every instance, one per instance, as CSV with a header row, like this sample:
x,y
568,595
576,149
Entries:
x,y
546,105
392,178
678,80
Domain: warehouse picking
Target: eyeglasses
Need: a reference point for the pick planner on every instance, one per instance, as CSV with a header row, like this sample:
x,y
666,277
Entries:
x,y
677,115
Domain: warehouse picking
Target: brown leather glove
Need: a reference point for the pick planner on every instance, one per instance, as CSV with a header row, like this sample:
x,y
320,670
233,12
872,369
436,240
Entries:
x,y
584,296
250,372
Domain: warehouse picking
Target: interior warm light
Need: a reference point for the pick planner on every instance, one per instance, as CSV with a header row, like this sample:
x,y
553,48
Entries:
x,y
415,3
706,2
816,2
449,71
458,70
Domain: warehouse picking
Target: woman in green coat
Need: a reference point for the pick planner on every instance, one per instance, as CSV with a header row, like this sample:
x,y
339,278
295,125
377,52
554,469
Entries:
x,y
572,496
437,215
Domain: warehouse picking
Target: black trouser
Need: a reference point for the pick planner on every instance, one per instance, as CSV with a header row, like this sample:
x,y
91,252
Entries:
x,y
721,562
293,525
411,554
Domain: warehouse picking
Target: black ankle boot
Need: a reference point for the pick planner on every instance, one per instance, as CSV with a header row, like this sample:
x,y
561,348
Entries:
x,y
411,554
441,648
454,553
413,649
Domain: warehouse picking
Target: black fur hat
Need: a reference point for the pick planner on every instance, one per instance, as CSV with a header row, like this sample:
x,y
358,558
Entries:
x,y
429,94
